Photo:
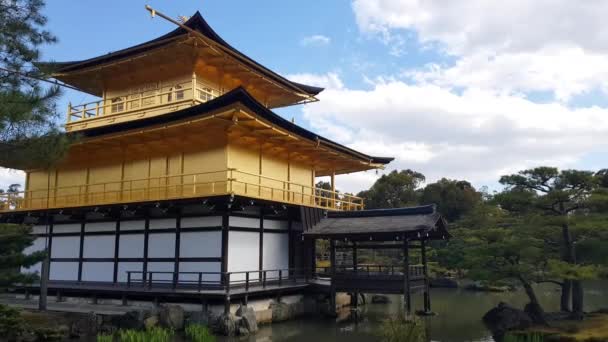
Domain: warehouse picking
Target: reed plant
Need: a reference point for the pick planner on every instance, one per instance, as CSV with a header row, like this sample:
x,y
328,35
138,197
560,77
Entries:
x,y
524,337
105,338
199,333
155,334
403,329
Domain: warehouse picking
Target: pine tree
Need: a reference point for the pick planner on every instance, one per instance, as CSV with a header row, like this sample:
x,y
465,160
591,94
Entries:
x,y
29,136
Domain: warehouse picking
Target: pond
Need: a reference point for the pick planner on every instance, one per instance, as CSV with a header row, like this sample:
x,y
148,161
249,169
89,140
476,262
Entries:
x,y
458,317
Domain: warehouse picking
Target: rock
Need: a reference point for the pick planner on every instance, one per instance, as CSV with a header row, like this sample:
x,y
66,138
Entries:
x,y
280,311
444,282
487,288
130,320
151,322
85,325
248,319
225,325
504,318
172,316
380,299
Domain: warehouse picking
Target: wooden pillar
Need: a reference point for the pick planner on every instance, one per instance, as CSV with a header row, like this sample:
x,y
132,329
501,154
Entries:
x,y
407,296
46,264
332,294
178,233
427,295
81,249
355,262
333,189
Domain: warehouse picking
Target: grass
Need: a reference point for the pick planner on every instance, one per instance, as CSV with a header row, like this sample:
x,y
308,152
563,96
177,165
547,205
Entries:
x,y
199,333
593,328
149,335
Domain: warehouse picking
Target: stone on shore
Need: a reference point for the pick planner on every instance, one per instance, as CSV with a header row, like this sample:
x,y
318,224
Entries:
x,y
248,319
172,316
504,318
380,299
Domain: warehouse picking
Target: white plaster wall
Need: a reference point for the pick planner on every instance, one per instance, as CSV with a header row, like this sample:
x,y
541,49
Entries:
x,y
161,267
123,267
205,221
168,223
276,251
243,253
40,229
98,271
100,227
132,225
67,228
98,246
276,224
131,246
64,271
200,244
161,245
246,222
65,247
199,267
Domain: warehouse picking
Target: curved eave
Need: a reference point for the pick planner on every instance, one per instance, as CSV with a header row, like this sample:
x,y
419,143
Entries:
x,y
197,23
238,95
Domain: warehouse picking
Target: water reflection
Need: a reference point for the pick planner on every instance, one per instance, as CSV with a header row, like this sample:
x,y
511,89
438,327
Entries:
x,y
458,320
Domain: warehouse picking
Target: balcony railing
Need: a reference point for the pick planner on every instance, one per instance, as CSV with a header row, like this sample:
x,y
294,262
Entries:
x,y
229,181
145,100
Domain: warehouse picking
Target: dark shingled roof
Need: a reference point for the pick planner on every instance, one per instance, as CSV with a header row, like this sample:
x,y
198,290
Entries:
x,y
238,95
414,222
197,23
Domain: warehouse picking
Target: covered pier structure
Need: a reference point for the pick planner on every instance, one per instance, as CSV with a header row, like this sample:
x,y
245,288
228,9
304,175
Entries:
x,y
402,229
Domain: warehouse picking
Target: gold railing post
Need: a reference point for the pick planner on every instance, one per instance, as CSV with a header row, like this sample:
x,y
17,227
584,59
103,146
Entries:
x,y
194,185
69,112
97,109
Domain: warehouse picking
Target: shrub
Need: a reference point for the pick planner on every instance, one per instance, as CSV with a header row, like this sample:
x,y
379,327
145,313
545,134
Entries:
x,y
105,338
11,325
199,333
524,337
403,329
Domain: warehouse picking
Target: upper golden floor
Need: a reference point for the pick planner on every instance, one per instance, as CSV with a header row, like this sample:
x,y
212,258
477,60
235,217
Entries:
x,y
184,67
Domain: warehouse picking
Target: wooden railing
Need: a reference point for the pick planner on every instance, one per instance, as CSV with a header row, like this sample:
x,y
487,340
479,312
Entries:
x,y
145,100
229,181
199,281
415,271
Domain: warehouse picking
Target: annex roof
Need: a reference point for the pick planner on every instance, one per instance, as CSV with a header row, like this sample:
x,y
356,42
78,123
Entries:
x,y
382,224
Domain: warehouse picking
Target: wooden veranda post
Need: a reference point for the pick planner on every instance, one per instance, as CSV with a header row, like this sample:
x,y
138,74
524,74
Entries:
x,y
425,270
332,260
407,297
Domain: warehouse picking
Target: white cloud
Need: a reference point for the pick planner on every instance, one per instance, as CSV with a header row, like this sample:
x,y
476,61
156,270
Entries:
x,y
9,176
330,80
555,46
476,135
315,40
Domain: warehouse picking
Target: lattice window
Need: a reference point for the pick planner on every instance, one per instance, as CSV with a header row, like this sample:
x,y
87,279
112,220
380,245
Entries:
x,y
118,104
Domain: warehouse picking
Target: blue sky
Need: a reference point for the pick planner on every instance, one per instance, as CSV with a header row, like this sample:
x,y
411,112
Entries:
x,y
465,89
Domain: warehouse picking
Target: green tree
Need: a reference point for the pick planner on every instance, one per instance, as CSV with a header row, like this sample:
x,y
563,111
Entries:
x,y
14,239
394,190
29,136
453,198
560,198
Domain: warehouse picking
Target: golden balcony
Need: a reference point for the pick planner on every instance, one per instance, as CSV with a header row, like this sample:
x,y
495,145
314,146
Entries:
x,y
182,186
147,102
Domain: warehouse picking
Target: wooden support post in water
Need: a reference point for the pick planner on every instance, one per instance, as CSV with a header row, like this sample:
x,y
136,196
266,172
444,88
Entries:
x,y
332,260
427,295
407,296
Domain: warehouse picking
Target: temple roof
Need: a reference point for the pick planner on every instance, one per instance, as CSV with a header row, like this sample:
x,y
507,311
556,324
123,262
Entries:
x,y
196,23
236,96
382,224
